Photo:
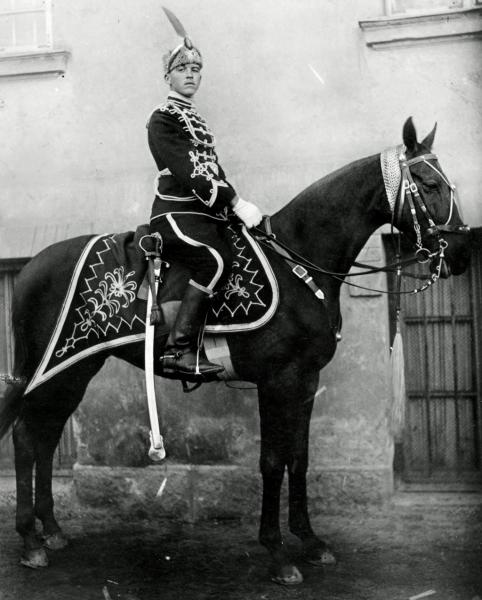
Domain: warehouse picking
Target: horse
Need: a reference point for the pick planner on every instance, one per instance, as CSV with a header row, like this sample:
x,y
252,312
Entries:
x,y
327,224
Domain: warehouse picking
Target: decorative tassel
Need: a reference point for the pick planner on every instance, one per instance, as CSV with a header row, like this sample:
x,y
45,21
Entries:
x,y
397,363
155,317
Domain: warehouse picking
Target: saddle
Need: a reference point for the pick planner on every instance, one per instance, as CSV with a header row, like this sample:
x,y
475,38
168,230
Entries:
x,y
105,304
246,302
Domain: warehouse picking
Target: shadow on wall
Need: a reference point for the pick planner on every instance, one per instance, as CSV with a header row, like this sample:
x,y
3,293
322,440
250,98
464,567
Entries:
x,y
214,424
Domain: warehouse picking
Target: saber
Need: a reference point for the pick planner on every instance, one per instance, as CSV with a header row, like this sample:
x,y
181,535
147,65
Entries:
x,y
156,451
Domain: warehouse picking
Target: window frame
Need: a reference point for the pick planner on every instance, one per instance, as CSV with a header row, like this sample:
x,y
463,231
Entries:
x,y
46,9
402,29
390,10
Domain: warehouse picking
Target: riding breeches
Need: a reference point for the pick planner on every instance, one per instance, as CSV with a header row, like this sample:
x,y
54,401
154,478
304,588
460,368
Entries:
x,y
200,243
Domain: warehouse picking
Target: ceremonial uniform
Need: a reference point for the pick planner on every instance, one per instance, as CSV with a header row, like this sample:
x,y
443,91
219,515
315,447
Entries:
x,y
192,194
191,206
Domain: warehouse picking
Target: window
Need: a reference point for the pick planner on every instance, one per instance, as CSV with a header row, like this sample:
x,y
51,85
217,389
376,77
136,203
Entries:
x,y
413,22
25,25
416,7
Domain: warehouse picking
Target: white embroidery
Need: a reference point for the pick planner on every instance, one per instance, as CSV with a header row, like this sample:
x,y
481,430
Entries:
x,y
194,124
204,161
204,165
233,286
112,293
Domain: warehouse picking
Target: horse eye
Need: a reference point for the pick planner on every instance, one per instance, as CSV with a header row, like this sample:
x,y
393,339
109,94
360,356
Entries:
x,y
430,185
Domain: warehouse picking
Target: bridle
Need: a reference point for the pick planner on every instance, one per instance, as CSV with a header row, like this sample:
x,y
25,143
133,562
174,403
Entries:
x,y
409,192
400,187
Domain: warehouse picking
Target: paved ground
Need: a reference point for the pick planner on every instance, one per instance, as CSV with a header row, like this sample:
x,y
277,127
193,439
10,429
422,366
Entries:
x,y
420,544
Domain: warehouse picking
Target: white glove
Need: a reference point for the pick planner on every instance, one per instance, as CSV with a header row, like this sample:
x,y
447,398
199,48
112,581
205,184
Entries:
x,y
248,213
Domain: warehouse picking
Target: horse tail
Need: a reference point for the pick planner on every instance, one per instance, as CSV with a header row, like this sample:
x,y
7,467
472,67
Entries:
x,y
11,402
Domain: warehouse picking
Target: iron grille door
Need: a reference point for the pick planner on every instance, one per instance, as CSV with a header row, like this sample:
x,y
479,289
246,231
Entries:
x,y
441,330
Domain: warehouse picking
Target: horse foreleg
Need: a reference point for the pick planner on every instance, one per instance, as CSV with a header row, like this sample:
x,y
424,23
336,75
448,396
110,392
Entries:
x,y
275,422
34,554
315,551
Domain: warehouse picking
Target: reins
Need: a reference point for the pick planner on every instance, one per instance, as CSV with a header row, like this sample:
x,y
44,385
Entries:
x,y
301,265
267,238
407,190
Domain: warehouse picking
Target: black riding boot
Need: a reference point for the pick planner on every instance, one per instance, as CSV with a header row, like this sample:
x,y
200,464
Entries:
x,y
181,355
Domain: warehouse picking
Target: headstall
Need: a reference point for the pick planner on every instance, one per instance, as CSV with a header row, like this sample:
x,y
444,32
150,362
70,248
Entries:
x,y
409,192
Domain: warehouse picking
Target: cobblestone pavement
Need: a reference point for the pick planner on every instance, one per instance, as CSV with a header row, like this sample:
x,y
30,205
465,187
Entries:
x,y
397,553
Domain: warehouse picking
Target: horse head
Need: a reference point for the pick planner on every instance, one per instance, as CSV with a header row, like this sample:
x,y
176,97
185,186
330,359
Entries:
x,y
426,210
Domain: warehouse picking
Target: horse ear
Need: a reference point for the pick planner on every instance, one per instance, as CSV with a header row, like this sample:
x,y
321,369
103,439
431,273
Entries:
x,y
428,141
409,135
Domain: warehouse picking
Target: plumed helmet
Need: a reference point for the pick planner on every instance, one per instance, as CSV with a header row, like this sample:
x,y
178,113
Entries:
x,y
183,54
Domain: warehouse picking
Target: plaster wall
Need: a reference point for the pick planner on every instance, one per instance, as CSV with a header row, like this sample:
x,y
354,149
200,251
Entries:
x,y
74,147
292,92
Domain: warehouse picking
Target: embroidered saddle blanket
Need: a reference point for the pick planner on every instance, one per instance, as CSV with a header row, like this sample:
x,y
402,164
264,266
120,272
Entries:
x,y
102,308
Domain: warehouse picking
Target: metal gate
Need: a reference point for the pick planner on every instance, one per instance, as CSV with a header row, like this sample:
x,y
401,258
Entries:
x,y
442,336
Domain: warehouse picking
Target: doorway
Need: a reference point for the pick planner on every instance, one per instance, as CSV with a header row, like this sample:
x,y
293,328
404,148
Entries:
x,y
442,336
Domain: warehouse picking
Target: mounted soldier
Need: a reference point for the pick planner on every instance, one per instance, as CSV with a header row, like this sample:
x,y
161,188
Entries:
x,y
191,207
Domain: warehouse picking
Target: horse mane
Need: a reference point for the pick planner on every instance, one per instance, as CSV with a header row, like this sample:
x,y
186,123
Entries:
x,y
325,189
352,191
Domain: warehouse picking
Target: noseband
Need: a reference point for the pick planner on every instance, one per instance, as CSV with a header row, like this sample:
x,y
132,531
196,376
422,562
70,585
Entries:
x,y
397,176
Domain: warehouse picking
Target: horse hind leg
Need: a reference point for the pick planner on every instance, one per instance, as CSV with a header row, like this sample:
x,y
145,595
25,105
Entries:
x,y
59,400
33,554
52,535
36,437
38,431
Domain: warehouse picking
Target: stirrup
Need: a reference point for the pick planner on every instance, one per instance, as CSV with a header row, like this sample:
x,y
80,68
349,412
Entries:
x,y
198,378
174,371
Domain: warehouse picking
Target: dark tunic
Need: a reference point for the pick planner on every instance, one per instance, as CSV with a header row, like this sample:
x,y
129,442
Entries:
x,y
192,194
190,176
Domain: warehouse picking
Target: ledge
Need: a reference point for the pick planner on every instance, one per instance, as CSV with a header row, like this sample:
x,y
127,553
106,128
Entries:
x,y
387,32
48,62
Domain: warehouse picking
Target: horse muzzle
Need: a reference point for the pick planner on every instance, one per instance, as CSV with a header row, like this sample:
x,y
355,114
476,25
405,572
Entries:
x,y
454,256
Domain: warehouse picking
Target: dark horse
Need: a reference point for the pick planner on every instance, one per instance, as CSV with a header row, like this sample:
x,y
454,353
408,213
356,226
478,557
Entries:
x,y
328,224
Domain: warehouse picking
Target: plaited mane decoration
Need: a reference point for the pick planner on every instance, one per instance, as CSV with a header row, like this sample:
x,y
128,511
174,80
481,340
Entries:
x,y
392,175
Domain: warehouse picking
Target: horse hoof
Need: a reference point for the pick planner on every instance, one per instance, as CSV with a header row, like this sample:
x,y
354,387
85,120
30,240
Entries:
x,y
325,557
288,576
35,559
55,541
